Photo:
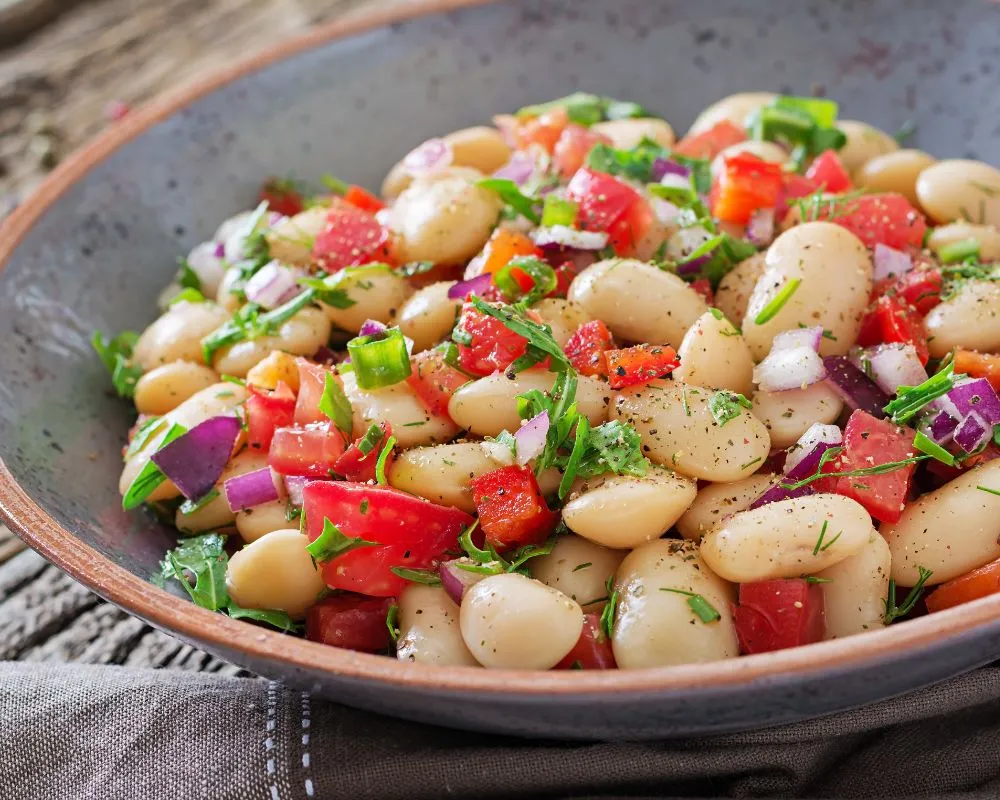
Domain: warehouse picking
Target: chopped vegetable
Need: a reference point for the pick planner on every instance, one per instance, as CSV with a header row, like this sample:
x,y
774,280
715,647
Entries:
x,y
116,354
778,614
640,364
195,459
511,509
380,360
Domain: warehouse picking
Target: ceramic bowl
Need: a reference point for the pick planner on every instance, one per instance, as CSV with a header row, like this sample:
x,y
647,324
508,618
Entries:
x,y
95,244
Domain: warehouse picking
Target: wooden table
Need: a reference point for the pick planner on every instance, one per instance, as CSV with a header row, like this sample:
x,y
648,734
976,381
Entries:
x,y
55,88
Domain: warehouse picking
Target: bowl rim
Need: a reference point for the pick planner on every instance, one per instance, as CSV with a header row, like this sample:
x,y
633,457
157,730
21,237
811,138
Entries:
x,y
174,614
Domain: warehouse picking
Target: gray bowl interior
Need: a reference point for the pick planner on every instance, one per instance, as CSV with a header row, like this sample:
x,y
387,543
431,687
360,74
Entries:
x,y
105,248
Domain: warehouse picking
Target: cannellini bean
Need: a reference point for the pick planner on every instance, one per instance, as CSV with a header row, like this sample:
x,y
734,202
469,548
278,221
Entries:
x,y
445,221
253,523
970,319
378,293
625,511
302,335
177,335
782,539
579,568
836,279
678,431
441,473
654,624
207,266
684,241
736,108
510,621
290,241
428,316
164,388
232,226
563,315
787,415
864,142
988,237
275,572
429,631
718,501
628,133
894,172
216,513
227,297
735,288
216,400
412,424
277,368
767,151
713,354
480,148
854,598
487,406
960,188
638,301
950,531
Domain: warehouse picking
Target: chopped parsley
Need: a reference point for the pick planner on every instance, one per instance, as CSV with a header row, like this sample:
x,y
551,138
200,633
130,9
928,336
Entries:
x,y
335,405
116,354
725,406
704,610
511,194
332,543
894,612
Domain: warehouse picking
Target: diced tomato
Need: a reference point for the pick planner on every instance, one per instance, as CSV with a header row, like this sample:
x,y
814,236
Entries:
x,y
585,348
778,614
363,199
492,345
920,288
887,218
793,187
575,143
627,234
979,365
434,380
640,364
900,323
267,411
565,273
351,236
601,199
281,197
965,588
511,509
311,450
703,286
710,143
351,621
408,531
312,382
869,442
360,467
746,184
592,650
543,130
827,172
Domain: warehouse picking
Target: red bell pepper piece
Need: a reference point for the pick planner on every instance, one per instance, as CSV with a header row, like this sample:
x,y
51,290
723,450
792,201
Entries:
x,y
642,363
512,511
585,348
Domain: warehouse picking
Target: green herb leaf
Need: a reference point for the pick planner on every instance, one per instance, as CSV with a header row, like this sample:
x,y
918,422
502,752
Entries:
x,y
204,558
510,193
249,323
523,554
925,445
833,452
586,109
116,355
556,211
607,620
539,336
906,130
911,399
576,456
150,476
372,438
725,406
334,184
894,612
382,458
414,268
187,278
270,616
959,251
336,406
427,577
770,311
189,507
332,543
704,610
392,622
816,579
146,431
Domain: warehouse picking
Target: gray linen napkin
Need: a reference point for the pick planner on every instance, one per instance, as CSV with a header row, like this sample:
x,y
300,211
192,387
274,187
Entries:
x,y
86,732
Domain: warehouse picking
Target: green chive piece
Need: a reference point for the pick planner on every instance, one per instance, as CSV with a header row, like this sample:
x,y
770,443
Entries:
x,y
704,610
959,251
770,311
336,406
380,360
383,457
925,445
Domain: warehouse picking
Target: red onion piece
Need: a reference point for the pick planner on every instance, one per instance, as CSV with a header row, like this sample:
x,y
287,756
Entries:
x,y
220,250
760,227
457,581
663,166
795,368
476,286
519,169
854,386
890,262
798,337
530,437
972,433
942,427
565,236
815,434
195,460
272,285
294,484
895,365
807,466
251,489
693,267
976,396
430,157
372,327
666,212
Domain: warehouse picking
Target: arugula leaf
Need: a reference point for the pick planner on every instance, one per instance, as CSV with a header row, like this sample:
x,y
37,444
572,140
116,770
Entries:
x,y
187,278
521,555
576,456
511,194
725,406
271,616
427,577
336,406
116,355
150,476
249,323
146,431
204,558
332,543
539,337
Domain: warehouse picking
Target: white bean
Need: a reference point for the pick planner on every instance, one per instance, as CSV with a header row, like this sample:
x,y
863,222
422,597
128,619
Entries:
x,y
970,319
960,188
735,288
429,631
787,415
894,172
638,301
275,572
216,513
987,236
377,292
864,142
164,388
713,354
302,335
736,108
290,241
510,621
207,266
228,296
480,148
579,568
626,134
441,473
951,531
854,598
177,335
253,523
487,406
718,501
277,368
654,624
782,539
625,511
428,316
563,316
678,431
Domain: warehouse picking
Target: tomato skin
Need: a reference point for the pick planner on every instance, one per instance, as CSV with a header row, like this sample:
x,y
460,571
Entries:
x,y
434,381
543,130
511,509
312,382
827,172
887,218
363,199
351,236
869,442
353,622
793,187
703,286
585,348
281,197
266,412
778,614
575,143
900,323
592,650
919,288
601,199
311,450
642,363
979,365
710,143
625,234
408,530
493,346
359,467
980,582
746,184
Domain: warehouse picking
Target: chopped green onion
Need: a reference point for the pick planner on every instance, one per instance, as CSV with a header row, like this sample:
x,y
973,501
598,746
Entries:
x,y
543,276
704,610
380,360
988,490
371,439
770,311
557,211
150,476
332,543
382,458
910,399
925,445
335,405
959,251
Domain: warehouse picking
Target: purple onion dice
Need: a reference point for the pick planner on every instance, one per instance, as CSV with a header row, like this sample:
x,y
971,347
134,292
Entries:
x,y
977,395
857,390
195,460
